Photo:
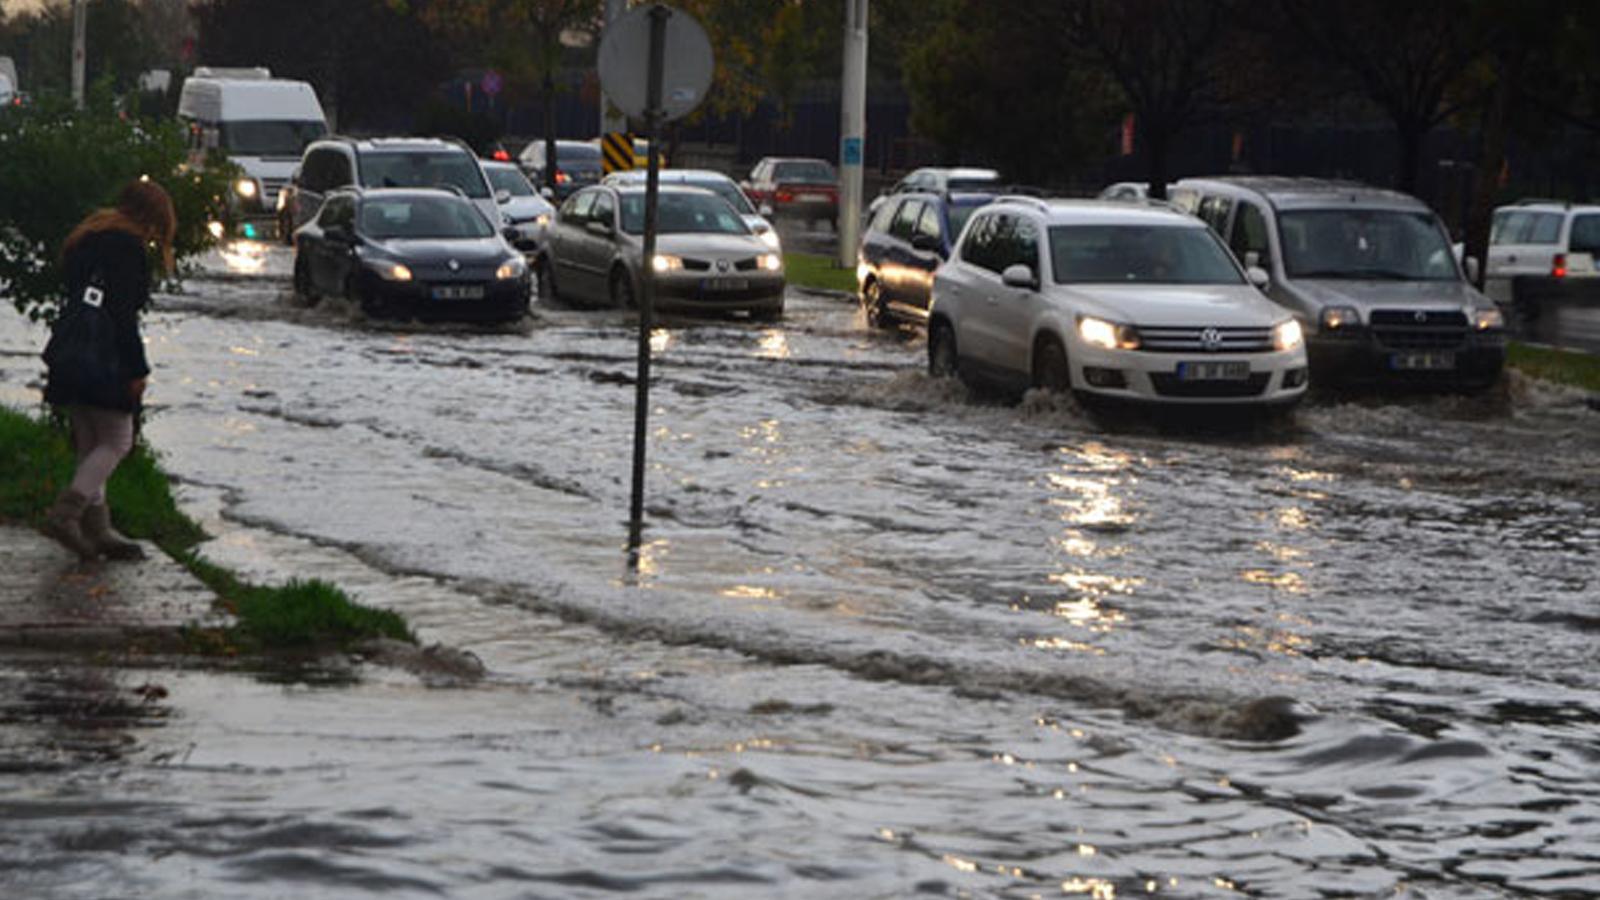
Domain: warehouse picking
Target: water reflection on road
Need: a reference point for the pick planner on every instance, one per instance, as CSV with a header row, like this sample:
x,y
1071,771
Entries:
x,y
884,636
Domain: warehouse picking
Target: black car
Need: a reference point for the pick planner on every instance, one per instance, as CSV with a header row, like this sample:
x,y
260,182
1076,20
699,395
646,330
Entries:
x,y
906,239
412,252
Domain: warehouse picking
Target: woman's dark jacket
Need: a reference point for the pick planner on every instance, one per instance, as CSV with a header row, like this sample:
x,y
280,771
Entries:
x,y
116,261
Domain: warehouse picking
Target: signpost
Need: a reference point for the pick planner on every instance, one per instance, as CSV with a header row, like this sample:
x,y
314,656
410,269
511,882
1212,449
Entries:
x,y
655,65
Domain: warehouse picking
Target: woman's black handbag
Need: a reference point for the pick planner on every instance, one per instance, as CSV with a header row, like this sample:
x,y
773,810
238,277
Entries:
x,y
85,366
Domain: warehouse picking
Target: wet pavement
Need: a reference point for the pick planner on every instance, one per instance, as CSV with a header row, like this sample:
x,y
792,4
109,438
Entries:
x,y
886,638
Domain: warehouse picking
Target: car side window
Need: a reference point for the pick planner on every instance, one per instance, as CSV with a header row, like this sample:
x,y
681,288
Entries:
x,y
928,224
905,221
1214,212
883,216
314,173
339,172
1546,229
1017,241
1585,236
1250,236
976,247
603,210
576,209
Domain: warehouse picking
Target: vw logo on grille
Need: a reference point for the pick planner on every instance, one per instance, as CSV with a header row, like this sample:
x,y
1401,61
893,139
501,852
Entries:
x,y
1211,339
722,265
1421,317
454,265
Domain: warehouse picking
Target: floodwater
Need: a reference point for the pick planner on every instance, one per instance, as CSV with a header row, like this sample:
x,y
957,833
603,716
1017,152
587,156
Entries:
x,y
884,638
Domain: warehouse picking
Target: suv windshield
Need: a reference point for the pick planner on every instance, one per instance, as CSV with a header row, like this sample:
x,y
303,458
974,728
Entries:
x,y
423,168
422,217
1367,244
685,213
814,172
270,138
1151,254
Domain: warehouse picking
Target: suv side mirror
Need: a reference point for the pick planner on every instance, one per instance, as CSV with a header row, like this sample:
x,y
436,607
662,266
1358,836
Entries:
x,y
1258,276
502,196
1019,276
1471,265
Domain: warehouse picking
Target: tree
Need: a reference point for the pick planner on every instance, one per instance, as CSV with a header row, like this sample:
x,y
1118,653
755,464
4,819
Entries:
x,y
1412,59
314,40
1163,54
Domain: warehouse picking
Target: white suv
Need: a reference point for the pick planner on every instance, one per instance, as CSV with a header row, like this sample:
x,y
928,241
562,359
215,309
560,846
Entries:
x,y
1113,300
1546,244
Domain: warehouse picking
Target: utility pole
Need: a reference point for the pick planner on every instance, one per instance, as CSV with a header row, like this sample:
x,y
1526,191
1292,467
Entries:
x,y
852,130
80,28
610,118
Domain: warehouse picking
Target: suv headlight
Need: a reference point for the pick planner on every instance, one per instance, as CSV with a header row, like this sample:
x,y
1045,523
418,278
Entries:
x,y
392,271
770,262
246,188
1287,335
1108,335
664,262
1488,319
1340,318
511,268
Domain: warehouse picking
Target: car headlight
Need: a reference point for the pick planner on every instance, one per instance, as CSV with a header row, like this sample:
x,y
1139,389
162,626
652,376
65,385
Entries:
x,y
389,271
1337,318
1488,319
511,268
246,188
1108,335
666,263
770,238
1287,335
770,262
542,220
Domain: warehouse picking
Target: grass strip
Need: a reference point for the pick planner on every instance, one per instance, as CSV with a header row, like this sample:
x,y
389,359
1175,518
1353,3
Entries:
x,y
36,460
814,270
1562,366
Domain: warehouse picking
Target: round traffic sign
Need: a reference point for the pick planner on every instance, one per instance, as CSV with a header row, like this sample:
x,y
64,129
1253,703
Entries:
x,y
686,62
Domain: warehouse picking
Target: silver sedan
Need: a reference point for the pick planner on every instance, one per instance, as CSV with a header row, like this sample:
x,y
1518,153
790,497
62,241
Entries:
x,y
707,259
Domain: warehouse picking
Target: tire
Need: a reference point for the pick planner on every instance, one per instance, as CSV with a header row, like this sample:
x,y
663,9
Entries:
x,y
943,361
303,294
1050,369
370,306
872,303
621,289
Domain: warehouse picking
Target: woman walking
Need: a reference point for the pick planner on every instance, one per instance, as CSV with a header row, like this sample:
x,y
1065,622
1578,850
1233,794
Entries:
x,y
108,274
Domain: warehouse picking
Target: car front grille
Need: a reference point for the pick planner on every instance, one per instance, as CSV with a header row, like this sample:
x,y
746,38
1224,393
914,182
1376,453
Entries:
x,y
1167,384
269,190
1194,340
1400,329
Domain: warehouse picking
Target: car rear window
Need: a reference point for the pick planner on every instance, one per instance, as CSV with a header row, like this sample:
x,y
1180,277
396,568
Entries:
x,y
1526,228
429,168
804,172
1130,254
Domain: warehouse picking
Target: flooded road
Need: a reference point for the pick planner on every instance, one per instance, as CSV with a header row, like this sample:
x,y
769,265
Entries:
x,y
886,638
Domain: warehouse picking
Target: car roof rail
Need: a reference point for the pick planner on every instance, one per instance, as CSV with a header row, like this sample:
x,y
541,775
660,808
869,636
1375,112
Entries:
x,y
1023,199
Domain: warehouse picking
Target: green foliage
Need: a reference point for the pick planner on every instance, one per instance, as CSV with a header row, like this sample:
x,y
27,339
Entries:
x,y
62,163
815,271
1561,366
36,461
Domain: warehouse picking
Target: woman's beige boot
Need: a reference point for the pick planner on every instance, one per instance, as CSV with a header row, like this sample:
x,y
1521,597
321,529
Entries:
x,y
63,521
97,530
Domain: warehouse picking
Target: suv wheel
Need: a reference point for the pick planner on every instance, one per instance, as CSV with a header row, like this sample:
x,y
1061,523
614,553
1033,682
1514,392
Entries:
x,y
872,303
1050,369
303,294
943,361
621,289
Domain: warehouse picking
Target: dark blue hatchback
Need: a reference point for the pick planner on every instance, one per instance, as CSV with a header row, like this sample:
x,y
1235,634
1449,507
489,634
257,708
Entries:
x,y
906,238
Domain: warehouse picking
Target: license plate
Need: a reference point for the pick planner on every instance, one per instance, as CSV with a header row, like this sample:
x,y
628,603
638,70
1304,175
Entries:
x,y
1213,371
458,292
1423,360
813,198
725,284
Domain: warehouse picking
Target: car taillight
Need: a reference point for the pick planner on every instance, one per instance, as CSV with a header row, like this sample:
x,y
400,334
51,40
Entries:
x,y
1558,266
502,156
562,177
785,195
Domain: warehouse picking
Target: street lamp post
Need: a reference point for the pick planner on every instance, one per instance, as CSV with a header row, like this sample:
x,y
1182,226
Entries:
x,y
852,129
80,28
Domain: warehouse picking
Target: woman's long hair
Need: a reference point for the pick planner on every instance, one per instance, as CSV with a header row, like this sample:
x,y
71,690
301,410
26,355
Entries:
x,y
143,210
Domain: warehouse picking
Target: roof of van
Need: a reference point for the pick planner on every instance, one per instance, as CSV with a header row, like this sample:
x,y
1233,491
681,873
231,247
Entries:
x,y
244,99
1302,193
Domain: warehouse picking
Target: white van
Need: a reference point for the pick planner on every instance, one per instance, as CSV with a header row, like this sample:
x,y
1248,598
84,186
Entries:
x,y
262,123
